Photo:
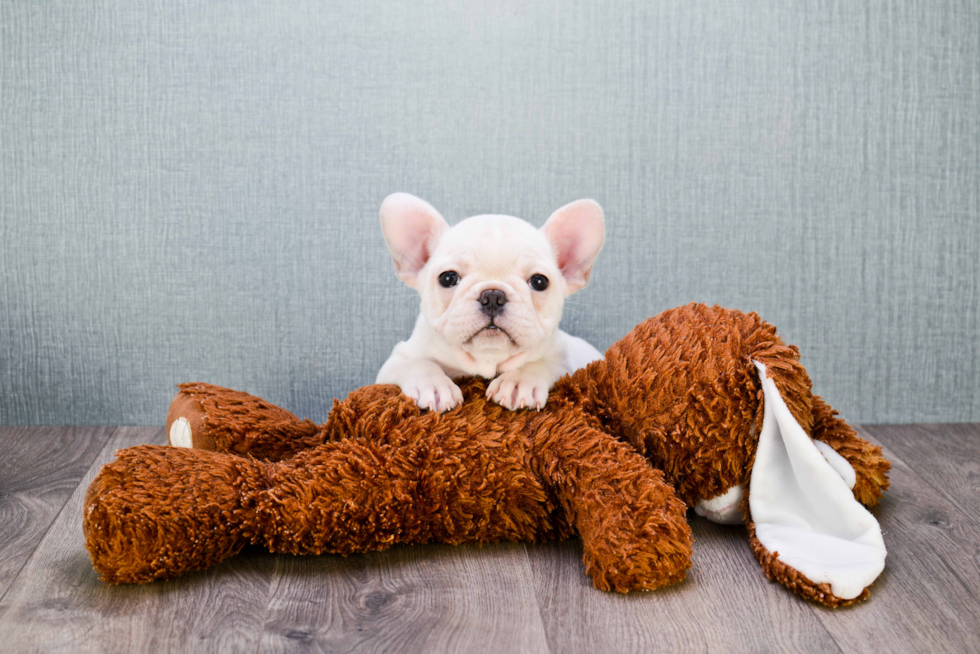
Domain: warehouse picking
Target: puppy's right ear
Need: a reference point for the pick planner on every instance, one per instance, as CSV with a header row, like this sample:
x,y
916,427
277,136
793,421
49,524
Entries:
x,y
412,227
576,232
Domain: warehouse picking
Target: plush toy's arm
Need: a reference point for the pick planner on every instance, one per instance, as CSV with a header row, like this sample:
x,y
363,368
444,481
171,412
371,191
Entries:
x,y
208,417
633,528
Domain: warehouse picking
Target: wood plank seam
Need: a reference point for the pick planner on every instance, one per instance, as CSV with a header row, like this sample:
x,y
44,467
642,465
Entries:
x,y
269,597
902,542
544,630
54,518
892,456
873,433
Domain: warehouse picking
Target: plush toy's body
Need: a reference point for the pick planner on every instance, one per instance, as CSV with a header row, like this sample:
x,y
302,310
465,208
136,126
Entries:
x,y
682,391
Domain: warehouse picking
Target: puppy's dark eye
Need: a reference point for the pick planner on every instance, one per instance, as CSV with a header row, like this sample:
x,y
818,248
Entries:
x,y
450,278
538,282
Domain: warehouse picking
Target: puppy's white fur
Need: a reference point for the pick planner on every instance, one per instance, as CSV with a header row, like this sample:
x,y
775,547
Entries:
x,y
453,336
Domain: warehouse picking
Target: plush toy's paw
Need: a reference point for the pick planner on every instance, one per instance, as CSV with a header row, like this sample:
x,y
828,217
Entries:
x,y
207,417
435,392
724,509
519,389
185,423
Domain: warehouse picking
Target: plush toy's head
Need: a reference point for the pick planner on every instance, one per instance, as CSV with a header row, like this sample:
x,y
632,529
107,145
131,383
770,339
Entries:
x,y
716,400
682,388
699,407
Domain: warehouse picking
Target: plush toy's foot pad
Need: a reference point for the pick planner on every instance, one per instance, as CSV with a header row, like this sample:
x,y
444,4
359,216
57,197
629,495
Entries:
x,y
808,530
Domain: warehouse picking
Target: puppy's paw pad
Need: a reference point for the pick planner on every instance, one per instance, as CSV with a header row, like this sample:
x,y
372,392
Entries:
x,y
180,433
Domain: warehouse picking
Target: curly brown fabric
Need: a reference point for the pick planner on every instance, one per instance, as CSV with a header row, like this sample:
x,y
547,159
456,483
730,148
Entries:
x,y
398,475
680,389
776,570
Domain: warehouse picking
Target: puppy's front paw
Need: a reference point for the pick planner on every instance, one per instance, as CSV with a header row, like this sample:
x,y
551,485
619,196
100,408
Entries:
x,y
436,393
519,389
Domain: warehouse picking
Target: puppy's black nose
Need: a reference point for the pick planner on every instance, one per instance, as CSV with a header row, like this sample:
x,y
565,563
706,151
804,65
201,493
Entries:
x,y
493,301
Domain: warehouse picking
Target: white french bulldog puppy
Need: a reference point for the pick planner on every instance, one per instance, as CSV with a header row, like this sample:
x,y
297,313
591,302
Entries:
x,y
492,289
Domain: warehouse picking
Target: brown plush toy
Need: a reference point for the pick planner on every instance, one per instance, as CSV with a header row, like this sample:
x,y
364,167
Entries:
x,y
712,398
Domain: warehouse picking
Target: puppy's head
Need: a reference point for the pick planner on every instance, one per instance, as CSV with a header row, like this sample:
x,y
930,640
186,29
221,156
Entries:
x,y
492,285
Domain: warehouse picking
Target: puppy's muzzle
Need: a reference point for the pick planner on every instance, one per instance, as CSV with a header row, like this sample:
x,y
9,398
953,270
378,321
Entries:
x,y
492,302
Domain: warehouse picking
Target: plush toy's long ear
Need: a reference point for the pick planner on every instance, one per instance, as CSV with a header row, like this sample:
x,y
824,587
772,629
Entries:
x,y
806,518
412,227
576,232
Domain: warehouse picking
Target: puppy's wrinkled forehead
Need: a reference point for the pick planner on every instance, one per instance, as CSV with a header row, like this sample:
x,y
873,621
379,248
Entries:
x,y
495,245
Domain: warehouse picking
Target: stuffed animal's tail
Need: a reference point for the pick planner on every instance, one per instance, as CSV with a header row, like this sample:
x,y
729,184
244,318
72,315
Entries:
x,y
807,529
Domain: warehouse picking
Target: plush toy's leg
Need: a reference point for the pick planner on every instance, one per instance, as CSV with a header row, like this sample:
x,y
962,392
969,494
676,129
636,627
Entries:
x,y
207,417
633,527
354,496
869,468
159,512
807,529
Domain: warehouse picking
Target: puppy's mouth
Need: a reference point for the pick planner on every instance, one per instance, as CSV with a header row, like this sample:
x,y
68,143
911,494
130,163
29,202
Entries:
x,y
491,330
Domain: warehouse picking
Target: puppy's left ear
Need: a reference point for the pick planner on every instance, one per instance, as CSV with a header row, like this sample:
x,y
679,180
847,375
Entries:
x,y
576,232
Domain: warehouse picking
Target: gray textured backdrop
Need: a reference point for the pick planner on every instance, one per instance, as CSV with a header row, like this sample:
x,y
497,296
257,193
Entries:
x,y
189,190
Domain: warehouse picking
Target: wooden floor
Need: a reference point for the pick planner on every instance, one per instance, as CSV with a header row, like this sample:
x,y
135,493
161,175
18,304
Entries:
x,y
500,598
